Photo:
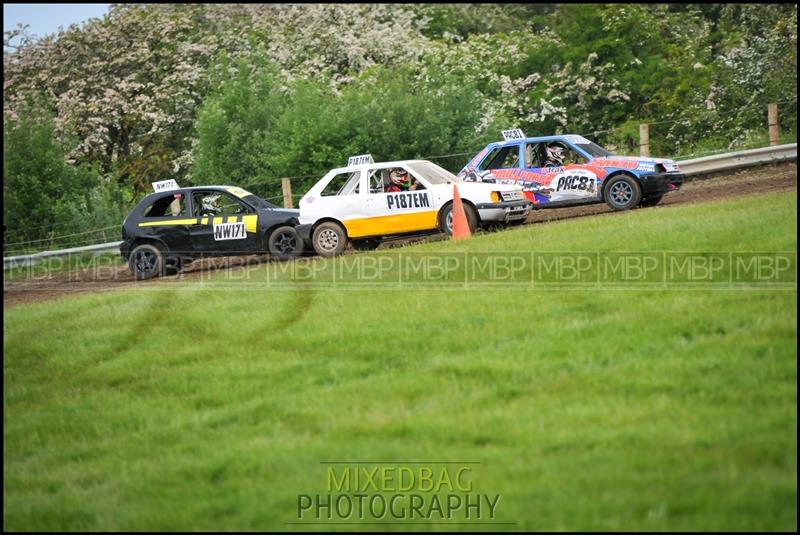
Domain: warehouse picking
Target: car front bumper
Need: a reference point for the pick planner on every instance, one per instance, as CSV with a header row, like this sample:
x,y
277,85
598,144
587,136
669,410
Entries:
x,y
504,211
661,183
304,231
125,248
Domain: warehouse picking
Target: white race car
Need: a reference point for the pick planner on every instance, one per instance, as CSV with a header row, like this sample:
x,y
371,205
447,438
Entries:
x,y
367,201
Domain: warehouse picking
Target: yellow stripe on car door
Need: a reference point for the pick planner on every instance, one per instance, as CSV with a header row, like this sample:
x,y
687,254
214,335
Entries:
x,y
390,224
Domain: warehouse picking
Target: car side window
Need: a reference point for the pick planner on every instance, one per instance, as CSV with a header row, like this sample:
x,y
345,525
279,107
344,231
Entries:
x,y
342,184
570,155
173,205
218,203
501,158
393,180
533,157
378,180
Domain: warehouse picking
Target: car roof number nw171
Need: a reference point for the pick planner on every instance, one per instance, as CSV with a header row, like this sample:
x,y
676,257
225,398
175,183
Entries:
x,y
165,185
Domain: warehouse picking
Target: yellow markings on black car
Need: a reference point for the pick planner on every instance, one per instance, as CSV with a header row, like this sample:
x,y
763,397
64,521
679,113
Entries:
x,y
250,222
230,227
168,222
239,192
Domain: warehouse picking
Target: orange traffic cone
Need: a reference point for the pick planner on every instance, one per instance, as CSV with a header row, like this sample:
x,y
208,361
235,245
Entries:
x,y
460,223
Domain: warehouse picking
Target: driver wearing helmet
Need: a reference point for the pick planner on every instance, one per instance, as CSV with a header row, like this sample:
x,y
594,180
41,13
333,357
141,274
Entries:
x,y
210,205
400,180
555,156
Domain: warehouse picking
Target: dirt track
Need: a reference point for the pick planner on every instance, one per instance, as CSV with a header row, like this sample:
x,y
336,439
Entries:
x,y
768,179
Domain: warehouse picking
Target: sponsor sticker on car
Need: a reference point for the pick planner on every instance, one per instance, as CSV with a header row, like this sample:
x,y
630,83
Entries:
x,y
574,183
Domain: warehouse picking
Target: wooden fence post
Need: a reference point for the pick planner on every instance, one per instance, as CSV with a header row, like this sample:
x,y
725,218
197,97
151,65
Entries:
x,y
287,193
644,140
772,122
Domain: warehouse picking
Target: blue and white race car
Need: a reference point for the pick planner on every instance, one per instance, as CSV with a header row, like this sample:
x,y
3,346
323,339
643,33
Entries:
x,y
569,169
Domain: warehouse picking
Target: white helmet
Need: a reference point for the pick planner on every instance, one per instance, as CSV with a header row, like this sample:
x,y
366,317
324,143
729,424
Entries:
x,y
555,154
211,204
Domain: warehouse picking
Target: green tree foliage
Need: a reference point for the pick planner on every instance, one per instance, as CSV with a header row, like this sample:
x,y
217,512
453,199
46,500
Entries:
x,y
235,126
463,20
252,134
247,93
45,197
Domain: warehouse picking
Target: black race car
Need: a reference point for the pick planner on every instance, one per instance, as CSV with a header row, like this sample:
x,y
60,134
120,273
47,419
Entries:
x,y
168,228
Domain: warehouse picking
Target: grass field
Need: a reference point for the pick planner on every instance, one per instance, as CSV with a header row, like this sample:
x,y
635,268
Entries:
x,y
211,405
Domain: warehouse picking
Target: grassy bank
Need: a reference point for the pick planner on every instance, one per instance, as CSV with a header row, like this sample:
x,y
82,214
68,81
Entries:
x,y
210,405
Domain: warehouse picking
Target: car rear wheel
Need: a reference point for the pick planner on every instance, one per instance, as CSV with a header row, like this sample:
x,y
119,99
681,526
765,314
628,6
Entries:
x,y
446,218
622,192
329,239
652,200
146,261
285,244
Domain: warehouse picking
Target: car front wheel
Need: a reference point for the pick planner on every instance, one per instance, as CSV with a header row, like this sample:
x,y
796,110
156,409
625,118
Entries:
x,y
622,192
652,200
446,218
146,261
329,239
285,244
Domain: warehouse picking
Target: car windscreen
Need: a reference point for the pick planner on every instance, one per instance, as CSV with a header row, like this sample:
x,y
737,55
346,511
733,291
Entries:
x,y
594,150
433,173
258,202
249,198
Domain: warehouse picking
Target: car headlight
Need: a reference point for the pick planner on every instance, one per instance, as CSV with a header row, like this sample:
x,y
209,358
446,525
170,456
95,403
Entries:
x,y
495,196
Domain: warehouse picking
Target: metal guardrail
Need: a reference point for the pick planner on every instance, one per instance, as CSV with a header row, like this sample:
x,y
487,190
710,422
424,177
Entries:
x,y
736,160
694,167
11,262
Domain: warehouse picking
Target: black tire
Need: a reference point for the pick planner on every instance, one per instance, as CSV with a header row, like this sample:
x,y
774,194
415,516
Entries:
x,y
366,244
446,219
622,192
173,265
652,200
285,244
146,261
329,239
495,226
